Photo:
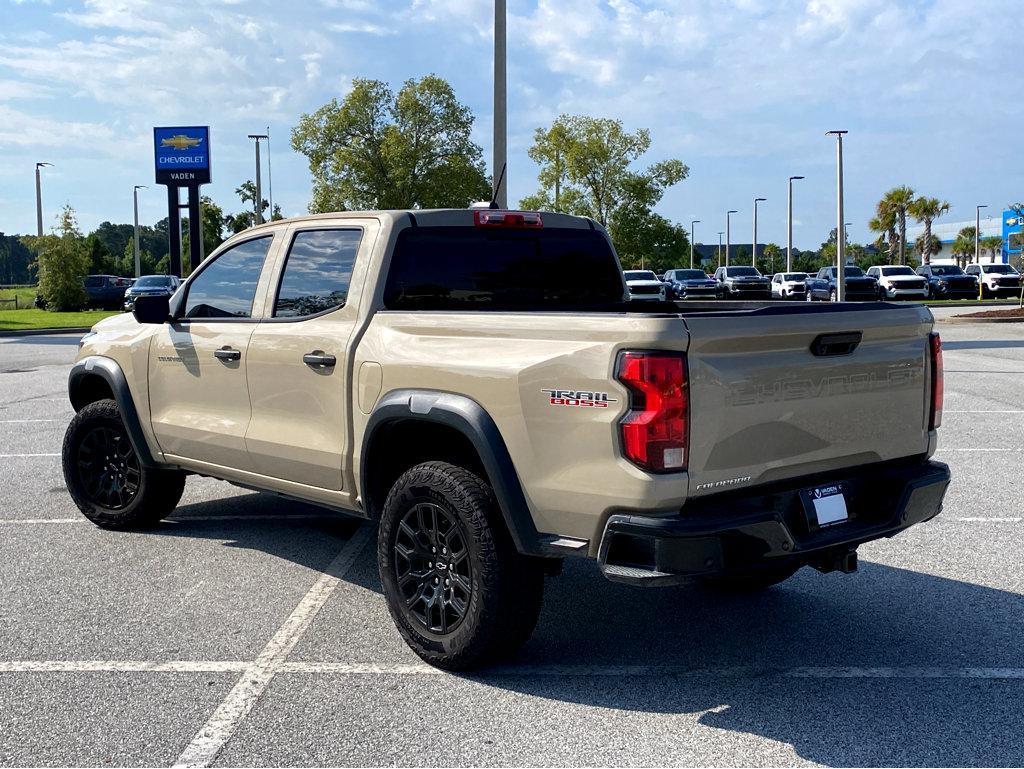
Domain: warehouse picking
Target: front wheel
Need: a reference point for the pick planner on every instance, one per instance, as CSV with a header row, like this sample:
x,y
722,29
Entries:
x,y
460,593
833,296
808,297
105,477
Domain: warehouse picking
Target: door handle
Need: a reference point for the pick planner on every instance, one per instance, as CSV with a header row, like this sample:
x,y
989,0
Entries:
x,y
227,353
319,359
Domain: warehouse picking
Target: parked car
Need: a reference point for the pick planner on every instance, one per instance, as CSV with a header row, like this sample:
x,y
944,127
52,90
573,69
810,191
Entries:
x,y
789,285
645,286
690,284
859,287
150,285
489,423
948,281
997,279
897,281
105,291
742,282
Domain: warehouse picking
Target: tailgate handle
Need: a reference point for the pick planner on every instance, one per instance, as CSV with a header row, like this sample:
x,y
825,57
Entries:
x,y
825,345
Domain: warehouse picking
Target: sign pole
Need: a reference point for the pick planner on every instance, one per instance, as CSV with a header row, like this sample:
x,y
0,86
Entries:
x,y
174,230
195,229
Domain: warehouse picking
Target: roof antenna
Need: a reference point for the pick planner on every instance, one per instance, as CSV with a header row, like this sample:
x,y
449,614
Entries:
x,y
497,187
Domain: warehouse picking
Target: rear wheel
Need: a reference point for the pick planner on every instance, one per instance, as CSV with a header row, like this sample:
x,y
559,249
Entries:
x,y
460,593
753,580
105,477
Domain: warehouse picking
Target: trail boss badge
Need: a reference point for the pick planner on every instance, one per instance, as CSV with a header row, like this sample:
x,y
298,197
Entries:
x,y
581,398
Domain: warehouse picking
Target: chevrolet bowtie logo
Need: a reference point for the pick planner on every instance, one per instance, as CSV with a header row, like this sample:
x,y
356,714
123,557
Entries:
x,y
181,142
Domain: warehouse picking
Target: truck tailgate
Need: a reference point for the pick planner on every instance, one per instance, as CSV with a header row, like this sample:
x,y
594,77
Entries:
x,y
765,407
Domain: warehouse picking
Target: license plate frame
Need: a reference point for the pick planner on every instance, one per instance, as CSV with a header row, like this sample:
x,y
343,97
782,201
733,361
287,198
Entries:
x,y
826,506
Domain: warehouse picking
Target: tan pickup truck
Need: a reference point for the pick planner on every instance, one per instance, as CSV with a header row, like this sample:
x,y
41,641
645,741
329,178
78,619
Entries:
x,y
477,384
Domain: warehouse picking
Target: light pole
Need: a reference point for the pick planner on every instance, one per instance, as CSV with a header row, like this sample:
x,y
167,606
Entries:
x,y
789,226
840,229
753,261
977,233
135,202
259,185
499,166
720,248
39,200
695,221
728,234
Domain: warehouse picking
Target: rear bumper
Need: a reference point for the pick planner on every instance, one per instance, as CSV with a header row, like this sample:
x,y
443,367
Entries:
x,y
735,532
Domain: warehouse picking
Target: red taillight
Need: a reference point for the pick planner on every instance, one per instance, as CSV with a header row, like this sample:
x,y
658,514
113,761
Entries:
x,y
935,344
655,429
489,218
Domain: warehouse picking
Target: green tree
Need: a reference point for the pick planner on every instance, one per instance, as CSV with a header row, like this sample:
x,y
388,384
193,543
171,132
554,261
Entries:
x,y
16,261
772,259
884,223
63,263
653,244
126,264
963,246
925,211
246,218
586,168
993,246
896,203
378,149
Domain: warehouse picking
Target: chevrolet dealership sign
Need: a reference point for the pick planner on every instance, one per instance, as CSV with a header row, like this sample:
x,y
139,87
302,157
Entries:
x,y
182,155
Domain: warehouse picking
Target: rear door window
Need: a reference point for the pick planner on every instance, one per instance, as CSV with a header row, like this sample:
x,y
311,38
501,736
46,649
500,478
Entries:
x,y
317,272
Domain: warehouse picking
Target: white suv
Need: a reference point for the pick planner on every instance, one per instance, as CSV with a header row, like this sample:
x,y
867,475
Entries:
x,y
896,281
789,285
997,279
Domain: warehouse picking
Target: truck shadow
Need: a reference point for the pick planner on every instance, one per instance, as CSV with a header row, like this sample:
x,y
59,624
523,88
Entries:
x,y
895,666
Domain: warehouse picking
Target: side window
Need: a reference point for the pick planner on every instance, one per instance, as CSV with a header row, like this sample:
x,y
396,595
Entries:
x,y
972,269
317,272
227,286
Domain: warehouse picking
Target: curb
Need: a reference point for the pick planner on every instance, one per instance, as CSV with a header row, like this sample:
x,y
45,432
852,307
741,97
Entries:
x,y
44,331
966,319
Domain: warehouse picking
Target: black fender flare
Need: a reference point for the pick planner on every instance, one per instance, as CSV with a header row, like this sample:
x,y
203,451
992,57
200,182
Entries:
x,y
469,418
110,372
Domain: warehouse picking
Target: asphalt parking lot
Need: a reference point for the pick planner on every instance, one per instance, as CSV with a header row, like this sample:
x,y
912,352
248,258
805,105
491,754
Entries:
x,y
251,631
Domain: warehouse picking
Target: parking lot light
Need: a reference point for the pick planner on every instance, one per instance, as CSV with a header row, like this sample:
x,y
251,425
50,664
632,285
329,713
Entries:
x,y
789,226
695,221
39,200
728,233
840,229
753,260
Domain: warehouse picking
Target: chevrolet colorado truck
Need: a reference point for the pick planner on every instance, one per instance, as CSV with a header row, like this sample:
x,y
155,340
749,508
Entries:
x,y
477,384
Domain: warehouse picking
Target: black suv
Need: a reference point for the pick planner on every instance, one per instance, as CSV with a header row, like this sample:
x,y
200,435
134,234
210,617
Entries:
x,y
150,285
948,281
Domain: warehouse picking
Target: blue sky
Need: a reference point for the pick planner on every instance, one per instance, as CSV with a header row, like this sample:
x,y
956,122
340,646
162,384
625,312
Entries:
x,y
741,91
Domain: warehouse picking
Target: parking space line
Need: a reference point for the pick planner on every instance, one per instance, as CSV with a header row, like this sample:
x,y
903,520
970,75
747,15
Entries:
x,y
239,709
238,703
122,666
327,516
647,671
980,519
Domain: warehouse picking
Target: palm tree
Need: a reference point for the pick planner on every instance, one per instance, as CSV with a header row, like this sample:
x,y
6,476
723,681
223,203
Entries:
x,y
994,245
925,211
963,246
895,204
884,223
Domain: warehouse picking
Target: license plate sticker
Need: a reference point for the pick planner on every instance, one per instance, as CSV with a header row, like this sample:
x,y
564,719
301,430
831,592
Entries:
x,y
829,505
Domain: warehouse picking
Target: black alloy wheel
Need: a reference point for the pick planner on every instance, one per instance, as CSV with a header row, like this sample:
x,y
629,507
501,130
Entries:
x,y
433,568
108,468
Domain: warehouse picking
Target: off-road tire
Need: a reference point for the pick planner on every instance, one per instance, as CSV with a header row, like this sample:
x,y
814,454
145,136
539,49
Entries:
x,y
116,492
506,588
754,580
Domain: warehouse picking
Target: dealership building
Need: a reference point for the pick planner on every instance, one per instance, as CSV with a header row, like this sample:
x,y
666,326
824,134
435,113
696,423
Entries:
x,y
1008,227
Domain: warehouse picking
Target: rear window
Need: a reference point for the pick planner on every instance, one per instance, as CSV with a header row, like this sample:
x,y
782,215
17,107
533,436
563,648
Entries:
x,y
463,268
946,269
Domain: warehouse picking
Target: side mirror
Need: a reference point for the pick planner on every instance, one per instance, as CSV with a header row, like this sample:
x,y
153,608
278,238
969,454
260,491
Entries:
x,y
151,309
